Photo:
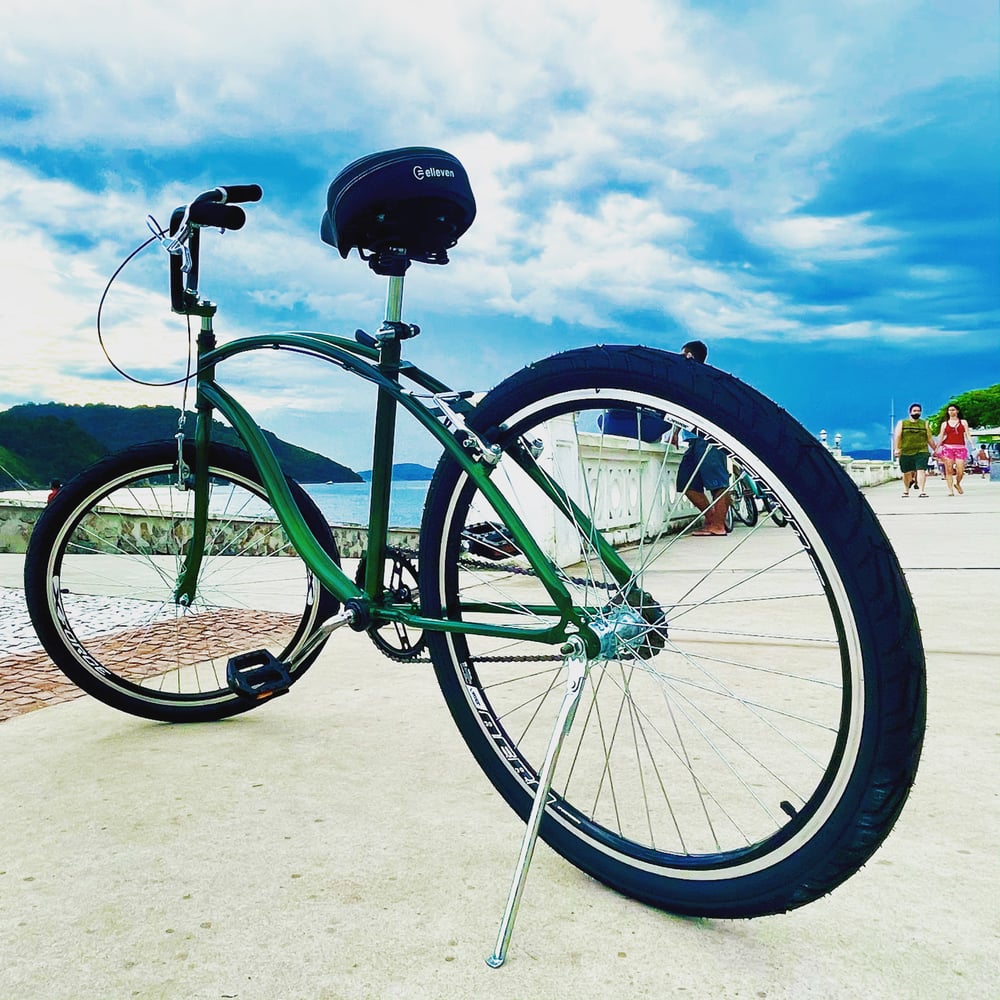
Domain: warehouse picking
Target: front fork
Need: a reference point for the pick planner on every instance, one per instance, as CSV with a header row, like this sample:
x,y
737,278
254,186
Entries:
x,y
197,477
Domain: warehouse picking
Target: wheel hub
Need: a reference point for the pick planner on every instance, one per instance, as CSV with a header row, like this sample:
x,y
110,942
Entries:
x,y
631,627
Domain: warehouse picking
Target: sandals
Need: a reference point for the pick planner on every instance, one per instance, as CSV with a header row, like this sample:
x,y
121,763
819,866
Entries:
x,y
922,494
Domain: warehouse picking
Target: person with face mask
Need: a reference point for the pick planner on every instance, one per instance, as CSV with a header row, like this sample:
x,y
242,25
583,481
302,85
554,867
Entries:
x,y
913,444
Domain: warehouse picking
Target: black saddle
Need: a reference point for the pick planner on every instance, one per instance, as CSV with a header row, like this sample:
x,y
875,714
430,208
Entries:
x,y
400,205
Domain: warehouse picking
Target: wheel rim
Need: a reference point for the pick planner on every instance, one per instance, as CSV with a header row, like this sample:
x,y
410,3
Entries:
x,y
111,575
728,748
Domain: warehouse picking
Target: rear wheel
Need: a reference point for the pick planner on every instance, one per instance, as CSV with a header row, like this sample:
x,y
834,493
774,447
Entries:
x,y
103,563
753,723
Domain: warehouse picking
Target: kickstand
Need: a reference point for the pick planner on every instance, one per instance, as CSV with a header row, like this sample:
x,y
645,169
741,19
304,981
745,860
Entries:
x,y
577,668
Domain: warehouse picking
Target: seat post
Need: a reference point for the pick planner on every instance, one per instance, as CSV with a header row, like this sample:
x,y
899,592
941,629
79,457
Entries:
x,y
384,445
394,300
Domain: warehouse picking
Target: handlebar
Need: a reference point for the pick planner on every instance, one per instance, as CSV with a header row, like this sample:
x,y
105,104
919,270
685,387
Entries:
x,y
215,209
234,193
216,216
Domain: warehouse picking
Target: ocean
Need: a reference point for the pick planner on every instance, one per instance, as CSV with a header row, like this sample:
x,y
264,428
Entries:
x,y
340,503
347,503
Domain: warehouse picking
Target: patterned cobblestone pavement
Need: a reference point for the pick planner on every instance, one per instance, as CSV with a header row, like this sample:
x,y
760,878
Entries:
x,y
29,680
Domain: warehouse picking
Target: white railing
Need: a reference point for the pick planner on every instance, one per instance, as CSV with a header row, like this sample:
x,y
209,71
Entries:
x,y
630,485
864,472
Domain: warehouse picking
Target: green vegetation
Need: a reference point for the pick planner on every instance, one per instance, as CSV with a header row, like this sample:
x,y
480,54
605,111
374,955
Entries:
x,y
40,442
981,407
12,469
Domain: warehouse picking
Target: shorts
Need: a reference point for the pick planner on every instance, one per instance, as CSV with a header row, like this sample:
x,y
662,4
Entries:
x,y
702,468
954,452
911,463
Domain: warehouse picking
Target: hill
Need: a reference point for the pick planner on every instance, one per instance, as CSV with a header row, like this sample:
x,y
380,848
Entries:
x,y
44,441
404,472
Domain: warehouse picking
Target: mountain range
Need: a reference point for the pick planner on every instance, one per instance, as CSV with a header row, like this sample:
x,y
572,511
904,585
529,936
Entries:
x,y
404,472
40,442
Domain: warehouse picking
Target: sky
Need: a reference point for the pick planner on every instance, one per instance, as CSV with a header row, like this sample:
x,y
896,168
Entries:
x,y
811,189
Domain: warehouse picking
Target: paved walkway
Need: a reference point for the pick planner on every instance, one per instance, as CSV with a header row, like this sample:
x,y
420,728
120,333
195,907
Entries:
x,y
341,842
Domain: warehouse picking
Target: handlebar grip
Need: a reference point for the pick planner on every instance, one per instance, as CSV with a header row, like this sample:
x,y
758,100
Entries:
x,y
217,216
241,192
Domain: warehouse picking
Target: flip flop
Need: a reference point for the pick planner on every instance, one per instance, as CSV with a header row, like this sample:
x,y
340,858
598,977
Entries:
x,y
923,494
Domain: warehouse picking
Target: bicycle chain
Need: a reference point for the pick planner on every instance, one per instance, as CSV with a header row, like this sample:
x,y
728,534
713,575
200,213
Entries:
x,y
486,564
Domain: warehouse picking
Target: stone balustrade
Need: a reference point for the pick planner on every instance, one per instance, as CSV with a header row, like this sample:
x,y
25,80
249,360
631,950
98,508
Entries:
x,y
156,533
635,490
866,472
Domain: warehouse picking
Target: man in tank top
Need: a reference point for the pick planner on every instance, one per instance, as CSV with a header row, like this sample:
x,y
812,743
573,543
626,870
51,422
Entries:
x,y
913,442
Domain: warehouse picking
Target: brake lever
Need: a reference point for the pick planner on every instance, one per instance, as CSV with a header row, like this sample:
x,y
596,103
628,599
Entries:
x,y
175,245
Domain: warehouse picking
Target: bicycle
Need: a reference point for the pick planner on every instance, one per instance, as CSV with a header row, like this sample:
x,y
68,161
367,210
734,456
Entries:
x,y
718,727
743,502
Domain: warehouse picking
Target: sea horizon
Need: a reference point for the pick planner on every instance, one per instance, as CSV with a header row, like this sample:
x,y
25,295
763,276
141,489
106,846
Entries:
x,y
347,503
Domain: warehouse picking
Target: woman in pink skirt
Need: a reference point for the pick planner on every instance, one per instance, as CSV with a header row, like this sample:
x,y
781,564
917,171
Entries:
x,y
954,445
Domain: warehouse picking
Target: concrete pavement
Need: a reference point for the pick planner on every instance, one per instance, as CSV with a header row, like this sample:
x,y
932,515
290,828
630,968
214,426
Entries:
x,y
342,843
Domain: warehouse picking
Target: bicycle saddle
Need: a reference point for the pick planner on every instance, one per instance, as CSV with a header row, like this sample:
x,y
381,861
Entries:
x,y
400,205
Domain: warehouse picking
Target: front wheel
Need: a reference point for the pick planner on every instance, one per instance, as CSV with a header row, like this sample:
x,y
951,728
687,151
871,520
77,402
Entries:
x,y
752,725
777,514
103,563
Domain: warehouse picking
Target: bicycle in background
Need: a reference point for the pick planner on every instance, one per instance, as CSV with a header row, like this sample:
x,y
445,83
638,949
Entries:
x,y
748,500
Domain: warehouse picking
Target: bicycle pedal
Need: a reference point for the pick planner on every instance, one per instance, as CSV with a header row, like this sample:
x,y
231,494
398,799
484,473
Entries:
x,y
258,675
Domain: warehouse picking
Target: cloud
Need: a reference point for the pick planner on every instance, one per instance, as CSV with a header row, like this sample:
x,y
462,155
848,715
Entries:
x,y
823,238
643,170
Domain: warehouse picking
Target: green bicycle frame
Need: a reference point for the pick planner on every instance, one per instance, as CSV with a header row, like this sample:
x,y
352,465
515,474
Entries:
x,y
382,367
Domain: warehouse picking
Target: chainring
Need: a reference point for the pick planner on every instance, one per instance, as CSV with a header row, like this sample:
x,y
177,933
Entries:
x,y
399,582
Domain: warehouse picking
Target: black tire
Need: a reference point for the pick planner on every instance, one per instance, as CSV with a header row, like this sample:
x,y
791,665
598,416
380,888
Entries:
x,y
754,746
100,572
744,503
776,513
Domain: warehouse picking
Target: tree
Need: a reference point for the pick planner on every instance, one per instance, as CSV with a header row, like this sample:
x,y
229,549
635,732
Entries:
x,y
981,407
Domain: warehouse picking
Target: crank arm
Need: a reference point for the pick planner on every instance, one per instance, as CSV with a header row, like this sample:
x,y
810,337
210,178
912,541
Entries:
x,y
320,636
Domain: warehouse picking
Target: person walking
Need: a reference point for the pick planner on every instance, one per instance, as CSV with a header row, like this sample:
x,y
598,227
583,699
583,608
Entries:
x,y
954,445
913,443
703,472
